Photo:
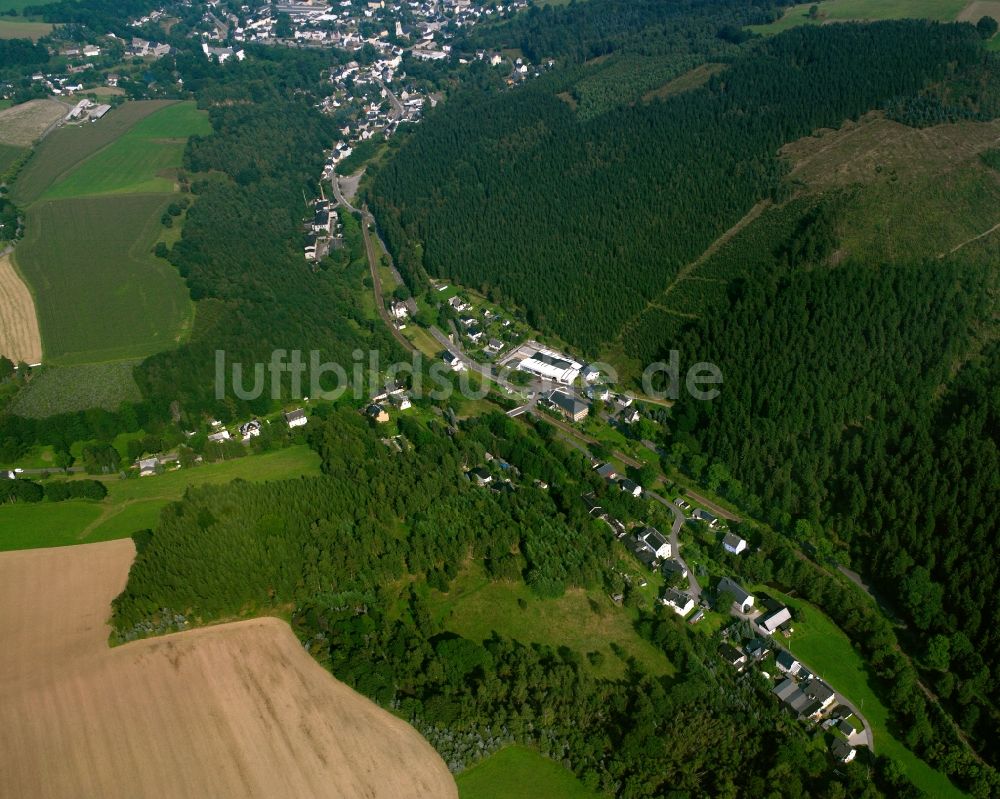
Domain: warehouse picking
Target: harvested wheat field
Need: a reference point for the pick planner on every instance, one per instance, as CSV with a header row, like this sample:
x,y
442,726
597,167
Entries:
x,y
21,124
236,710
19,336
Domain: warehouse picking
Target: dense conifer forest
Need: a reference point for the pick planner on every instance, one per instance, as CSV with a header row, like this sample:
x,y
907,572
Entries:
x,y
583,221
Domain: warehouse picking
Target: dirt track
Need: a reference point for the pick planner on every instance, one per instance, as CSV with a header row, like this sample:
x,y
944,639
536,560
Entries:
x,y
20,339
978,9
236,710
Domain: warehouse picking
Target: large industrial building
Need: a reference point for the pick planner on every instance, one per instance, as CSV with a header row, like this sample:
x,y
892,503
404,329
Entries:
x,y
552,366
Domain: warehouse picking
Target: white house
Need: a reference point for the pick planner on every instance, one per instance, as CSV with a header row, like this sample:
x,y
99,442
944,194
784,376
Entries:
x,y
250,430
705,516
222,435
733,544
453,361
680,603
843,751
655,542
602,393
147,466
398,310
296,418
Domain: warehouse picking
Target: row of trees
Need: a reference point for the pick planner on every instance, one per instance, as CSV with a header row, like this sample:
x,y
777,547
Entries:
x,y
30,491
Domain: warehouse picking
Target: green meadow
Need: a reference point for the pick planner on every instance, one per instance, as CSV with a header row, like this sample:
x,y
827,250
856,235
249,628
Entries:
x,y
65,148
100,293
517,772
94,194
139,161
585,621
135,504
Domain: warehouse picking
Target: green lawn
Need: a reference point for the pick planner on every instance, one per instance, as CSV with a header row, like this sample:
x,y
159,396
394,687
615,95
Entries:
x,y
65,148
824,648
142,160
135,504
846,10
100,293
584,621
517,772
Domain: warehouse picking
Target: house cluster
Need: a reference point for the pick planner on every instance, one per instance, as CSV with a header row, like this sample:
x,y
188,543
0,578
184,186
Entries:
x,y
801,692
487,332
654,550
323,232
396,398
143,48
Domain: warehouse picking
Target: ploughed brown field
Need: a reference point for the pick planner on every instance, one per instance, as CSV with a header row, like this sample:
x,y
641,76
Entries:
x,y
234,710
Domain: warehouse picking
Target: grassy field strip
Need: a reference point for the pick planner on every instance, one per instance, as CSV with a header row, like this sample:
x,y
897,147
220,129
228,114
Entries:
x,y
858,10
823,646
135,504
22,29
517,772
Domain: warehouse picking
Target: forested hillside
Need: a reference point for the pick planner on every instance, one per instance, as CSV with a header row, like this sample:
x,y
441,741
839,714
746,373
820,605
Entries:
x,y
350,552
583,221
859,414
240,251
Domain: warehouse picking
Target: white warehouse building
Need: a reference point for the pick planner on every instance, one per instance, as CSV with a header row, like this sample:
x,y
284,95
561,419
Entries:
x,y
552,366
